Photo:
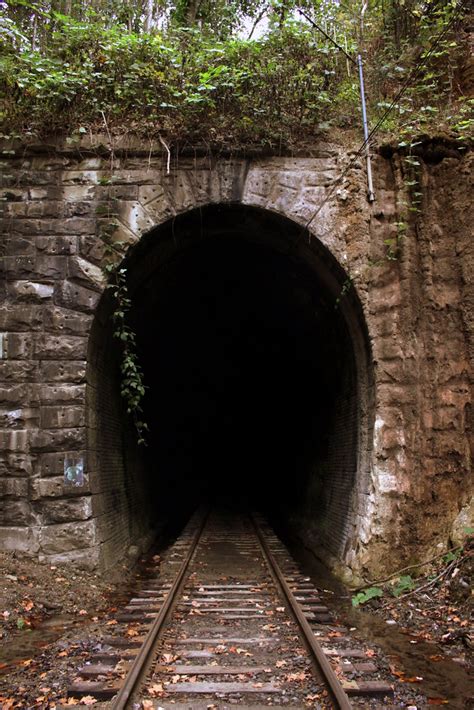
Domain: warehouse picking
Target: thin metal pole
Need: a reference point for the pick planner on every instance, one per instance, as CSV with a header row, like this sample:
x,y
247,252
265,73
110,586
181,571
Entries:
x,y
370,186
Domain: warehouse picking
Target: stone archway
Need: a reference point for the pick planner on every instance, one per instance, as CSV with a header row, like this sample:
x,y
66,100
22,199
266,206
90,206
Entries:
x,y
312,380
413,484
413,492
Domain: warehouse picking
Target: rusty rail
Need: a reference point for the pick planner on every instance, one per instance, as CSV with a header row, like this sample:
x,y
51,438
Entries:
x,y
339,697
135,673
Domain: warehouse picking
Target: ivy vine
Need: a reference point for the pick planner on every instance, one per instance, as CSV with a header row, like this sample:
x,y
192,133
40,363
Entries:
x,y
132,386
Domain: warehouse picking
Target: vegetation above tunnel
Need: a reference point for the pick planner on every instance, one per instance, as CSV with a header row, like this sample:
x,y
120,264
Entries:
x,y
232,73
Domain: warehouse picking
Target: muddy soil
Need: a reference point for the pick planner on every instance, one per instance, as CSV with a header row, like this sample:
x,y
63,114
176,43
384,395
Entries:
x,y
49,615
32,592
427,633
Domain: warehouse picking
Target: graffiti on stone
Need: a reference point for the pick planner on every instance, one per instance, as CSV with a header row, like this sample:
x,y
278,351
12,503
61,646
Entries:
x,y
74,472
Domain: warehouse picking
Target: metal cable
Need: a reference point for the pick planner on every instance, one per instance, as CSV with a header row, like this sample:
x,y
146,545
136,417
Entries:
x,y
413,75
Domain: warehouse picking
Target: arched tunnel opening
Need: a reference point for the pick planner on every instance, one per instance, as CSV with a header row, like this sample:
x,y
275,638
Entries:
x,y
254,382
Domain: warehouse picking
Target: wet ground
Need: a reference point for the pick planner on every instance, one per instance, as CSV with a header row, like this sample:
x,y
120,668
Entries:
x,y
442,675
31,641
433,673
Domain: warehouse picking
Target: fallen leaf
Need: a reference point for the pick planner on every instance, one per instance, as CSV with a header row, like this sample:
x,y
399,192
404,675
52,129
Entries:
x,y
243,652
370,653
296,676
148,704
168,657
112,622
155,689
62,654
280,664
27,605
88,700
131,632
438,701
82,612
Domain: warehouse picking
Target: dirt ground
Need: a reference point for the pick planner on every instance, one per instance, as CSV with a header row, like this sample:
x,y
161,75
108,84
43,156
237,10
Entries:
x,y
30,592
438,605
51,620
53,617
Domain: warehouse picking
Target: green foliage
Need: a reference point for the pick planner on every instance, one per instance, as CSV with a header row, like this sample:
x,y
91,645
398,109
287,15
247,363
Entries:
x,y
452,555
464,123
345,288
403,584
188,71
183,84
423,43
132,387
366,595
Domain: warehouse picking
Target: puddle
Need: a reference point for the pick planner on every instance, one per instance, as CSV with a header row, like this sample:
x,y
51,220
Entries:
x,y
444,679
29,642
441,679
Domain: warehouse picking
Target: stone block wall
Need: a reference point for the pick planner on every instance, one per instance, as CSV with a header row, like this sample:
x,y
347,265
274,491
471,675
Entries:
x,y
410,319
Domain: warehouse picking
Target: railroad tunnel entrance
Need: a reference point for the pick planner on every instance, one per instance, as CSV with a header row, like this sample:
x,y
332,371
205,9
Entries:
x,y
256,367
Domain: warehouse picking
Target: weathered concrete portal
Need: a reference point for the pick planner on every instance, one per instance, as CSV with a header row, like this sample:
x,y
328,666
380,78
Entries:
x,y
325,368
259,379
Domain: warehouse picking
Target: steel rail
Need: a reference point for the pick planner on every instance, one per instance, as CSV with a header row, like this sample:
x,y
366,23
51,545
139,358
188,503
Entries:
x,y
336,689
133,676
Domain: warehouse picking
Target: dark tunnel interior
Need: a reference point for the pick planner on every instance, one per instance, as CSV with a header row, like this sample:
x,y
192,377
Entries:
x,y
250,372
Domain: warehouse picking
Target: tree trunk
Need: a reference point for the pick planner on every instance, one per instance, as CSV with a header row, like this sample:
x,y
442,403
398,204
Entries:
x,y
191,12
149,16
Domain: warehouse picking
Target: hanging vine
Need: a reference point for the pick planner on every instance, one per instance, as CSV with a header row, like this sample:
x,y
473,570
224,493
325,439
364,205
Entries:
x,y
132,386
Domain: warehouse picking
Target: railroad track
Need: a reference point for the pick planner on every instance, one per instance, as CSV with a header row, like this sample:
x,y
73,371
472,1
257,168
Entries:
x,y
229,620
